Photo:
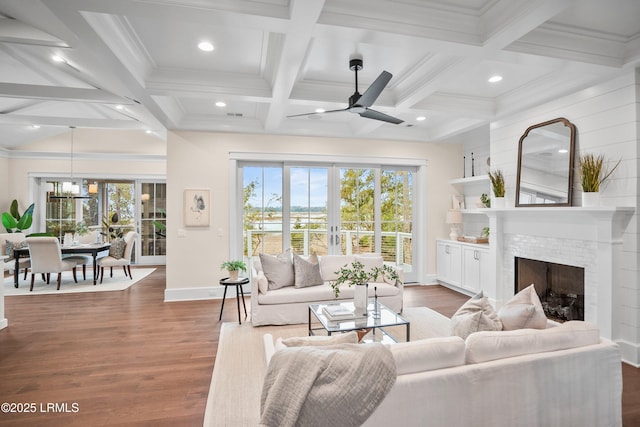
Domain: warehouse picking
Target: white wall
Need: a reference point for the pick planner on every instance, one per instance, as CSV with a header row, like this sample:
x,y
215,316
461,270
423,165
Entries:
x,y
607,119
201,160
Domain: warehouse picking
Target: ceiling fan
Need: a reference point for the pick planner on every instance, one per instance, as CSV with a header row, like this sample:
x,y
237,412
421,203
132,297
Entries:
x,y
359,104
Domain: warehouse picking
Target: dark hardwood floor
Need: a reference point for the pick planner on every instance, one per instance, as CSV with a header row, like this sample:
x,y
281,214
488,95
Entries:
x,y
129,359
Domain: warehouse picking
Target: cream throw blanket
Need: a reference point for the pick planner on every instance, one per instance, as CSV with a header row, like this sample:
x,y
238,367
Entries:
x,y
338,385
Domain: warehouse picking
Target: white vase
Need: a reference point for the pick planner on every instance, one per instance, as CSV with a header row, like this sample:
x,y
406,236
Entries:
x,y
233,275
590,200
498,203
360,299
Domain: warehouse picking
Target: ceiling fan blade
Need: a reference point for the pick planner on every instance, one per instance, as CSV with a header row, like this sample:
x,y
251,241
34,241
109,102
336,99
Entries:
x,y
371,94
324,112
377,115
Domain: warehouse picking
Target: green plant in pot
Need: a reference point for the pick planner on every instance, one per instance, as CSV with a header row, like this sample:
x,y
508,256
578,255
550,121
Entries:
x,y
592,172
233,267
13,222
497,183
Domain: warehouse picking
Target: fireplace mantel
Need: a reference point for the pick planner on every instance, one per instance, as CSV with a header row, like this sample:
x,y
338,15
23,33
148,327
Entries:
x,y
570,235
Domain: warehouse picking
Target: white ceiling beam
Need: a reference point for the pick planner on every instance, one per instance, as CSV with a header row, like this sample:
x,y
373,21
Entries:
x,y
80,122
304,15
56,93
14,31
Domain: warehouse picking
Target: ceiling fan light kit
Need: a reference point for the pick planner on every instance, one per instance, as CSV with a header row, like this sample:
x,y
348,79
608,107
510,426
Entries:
x,y
359,104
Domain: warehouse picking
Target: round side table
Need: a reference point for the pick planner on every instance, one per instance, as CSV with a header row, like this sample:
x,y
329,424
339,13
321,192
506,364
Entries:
x,y
226,282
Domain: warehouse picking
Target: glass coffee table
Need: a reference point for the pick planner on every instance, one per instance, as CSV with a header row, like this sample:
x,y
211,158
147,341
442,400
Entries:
x,y
386,318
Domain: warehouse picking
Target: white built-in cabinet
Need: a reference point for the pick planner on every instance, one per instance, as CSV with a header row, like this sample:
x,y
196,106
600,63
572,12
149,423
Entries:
x,y
463,265
449,262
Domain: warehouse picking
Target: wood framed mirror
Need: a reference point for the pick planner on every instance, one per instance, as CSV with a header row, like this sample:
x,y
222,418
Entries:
x,y
545,164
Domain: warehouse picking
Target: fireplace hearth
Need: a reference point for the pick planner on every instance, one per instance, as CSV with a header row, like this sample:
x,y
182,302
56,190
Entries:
x,y
560,287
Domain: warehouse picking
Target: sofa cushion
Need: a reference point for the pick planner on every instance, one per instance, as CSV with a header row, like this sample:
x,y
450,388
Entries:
x,y
278,269
330,264
477,314
306,272
485,346
524,310
291,295
428,354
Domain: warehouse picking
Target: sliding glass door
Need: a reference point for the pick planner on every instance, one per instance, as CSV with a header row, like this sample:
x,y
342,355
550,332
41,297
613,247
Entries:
x,y
328,209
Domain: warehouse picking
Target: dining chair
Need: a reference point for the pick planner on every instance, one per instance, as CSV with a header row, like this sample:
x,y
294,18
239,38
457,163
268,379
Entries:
x,y
46,258
14,240
84,260
125,261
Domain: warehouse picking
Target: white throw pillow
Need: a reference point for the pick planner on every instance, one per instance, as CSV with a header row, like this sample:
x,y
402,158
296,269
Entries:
x,y
475,315
524,310
306,272
278,269
263,283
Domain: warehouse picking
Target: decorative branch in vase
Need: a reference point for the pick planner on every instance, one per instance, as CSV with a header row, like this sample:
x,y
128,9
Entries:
x,y
593,173
497,183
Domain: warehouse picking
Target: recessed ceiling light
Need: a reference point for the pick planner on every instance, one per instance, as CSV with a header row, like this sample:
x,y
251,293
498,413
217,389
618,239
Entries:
x,y
495,79
119,107
148,131
319,110
205,46
35,126
221,104
56,58
563,151
421,118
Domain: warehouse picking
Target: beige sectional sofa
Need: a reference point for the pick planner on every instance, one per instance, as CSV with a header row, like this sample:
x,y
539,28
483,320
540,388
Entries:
x,y
289,304
564,375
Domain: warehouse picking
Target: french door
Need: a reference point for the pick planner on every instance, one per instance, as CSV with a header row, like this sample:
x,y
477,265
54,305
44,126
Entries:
x,y
328,209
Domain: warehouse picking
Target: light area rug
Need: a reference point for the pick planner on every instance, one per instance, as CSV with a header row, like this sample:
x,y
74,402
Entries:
x,y
118,282
236,383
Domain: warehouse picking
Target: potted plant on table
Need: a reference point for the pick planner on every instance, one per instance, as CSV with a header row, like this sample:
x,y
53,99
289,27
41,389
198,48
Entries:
x,y
355,274
592,173
14,222
233,267
497,183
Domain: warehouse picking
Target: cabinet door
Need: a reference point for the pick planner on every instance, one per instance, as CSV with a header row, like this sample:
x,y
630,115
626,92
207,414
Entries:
x,y
449,263
476,268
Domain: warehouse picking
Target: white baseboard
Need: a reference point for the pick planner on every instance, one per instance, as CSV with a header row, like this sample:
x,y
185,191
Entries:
x,y
195,294
630,352
4,323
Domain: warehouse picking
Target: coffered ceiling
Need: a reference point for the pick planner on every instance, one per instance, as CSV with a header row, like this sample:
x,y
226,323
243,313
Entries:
x,y
135,64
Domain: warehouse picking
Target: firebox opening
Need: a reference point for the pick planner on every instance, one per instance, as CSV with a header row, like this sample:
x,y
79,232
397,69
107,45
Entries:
x,y
560,287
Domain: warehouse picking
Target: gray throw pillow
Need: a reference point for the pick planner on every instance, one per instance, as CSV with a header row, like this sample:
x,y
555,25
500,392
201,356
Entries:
x,y
116,250
475,315
278,269
13,245
306,272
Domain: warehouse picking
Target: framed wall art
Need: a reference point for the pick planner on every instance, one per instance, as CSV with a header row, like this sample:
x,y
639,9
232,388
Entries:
x,y
196,208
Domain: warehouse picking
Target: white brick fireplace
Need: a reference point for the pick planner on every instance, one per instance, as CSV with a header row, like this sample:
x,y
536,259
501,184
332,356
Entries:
x,y
581,237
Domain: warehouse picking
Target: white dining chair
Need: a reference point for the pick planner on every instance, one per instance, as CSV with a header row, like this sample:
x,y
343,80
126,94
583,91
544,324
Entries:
x,y
125,261
46,258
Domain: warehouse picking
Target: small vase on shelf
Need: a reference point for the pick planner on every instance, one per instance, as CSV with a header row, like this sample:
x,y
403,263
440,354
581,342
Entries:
x,y
590,199
498,203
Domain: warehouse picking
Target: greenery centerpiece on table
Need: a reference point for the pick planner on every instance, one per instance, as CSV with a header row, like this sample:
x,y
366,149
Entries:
x,y
233,267
355,274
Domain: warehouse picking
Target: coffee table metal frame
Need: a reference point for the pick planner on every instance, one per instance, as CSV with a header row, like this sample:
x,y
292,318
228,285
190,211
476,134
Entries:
x,y
386,319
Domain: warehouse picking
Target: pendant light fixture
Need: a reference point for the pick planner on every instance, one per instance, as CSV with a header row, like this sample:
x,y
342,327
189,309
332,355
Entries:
x,y
69,189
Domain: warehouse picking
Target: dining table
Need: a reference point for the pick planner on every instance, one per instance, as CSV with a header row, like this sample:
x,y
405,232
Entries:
x,y
93,249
